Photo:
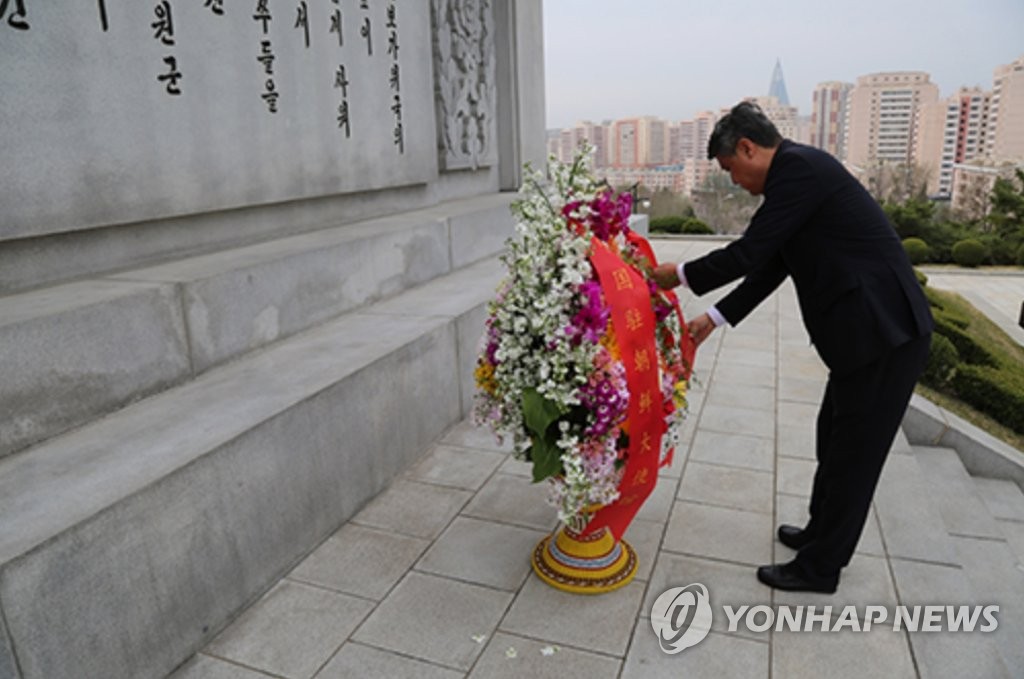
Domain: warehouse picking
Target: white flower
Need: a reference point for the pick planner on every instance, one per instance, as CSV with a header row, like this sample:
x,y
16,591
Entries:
x,y
532,344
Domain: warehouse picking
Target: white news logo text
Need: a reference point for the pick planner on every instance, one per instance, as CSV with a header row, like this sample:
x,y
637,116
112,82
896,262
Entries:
x,y
940,618
682,617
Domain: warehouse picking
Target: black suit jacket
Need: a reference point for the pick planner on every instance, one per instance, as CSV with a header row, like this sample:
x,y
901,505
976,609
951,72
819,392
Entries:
x,y
856,287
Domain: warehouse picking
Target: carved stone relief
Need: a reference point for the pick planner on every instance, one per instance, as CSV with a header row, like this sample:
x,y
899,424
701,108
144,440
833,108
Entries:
x,y
464,77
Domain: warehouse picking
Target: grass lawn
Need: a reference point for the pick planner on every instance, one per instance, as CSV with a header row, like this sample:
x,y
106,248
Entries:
x,y
1008,352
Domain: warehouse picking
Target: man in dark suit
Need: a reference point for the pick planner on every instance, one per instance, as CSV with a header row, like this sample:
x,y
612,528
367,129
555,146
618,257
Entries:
x,y
861,304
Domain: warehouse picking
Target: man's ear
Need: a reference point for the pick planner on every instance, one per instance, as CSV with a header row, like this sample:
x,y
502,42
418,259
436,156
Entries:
x,y
745,147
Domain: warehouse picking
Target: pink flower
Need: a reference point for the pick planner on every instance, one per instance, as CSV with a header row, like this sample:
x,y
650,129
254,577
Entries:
x,y
591,320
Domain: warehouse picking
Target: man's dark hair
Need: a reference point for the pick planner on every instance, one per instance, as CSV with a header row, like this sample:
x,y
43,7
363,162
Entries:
x,y
746,119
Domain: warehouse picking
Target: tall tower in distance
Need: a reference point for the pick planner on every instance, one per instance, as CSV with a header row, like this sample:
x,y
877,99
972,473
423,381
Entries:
x,y
778,87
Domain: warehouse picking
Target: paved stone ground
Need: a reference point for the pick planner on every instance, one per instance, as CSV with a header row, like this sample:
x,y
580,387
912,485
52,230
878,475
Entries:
x,y
432,578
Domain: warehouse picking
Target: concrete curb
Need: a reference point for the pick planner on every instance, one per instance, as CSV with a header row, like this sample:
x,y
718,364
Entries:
x,y
982,454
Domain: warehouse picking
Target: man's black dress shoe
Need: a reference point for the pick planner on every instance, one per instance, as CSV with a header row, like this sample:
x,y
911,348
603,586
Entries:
x,y
788,577
793,537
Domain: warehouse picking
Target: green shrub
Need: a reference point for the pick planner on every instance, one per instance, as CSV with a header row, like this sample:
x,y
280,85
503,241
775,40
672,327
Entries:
x,y
943,359
941,238
998,250
916,249
1020,256
970,351
696,226
670,224
998,393
969,253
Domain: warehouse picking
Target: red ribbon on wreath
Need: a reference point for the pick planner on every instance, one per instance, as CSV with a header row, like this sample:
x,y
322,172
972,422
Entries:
x,y
628,296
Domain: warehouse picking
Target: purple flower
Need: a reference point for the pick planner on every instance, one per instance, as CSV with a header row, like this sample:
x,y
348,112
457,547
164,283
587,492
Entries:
x,y
605,396
591,320
492,344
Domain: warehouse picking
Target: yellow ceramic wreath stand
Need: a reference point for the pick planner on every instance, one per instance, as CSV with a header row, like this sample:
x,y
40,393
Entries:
x,y
593,564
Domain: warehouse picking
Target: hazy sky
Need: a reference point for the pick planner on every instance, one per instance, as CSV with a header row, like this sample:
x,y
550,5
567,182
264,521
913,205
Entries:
x,y
673,58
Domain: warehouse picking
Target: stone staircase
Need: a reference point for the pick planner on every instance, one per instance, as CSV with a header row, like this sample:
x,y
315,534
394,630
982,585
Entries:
x,y
176,438
953,538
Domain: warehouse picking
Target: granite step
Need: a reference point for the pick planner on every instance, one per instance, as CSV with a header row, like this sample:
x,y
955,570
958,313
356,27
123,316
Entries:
x,y
985,561
961,506
909,515
996,568
1004,499
133,539
78,351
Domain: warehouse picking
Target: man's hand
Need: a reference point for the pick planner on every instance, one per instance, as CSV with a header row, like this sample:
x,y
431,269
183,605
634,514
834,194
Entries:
x,y
665,276
700,328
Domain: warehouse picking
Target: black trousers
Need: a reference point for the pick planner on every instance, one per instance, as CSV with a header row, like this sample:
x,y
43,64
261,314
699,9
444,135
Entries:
x,y
858,420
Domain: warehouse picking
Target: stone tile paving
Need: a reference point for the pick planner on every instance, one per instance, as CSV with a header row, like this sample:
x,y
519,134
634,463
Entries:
x,y
432,578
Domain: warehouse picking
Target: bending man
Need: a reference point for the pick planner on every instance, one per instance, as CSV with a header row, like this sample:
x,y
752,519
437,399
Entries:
x,y
861,304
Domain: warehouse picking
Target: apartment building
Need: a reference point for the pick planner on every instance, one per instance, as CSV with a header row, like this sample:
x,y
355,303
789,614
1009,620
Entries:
x,y
596,135
687,140
882,117
828,117
625,143
966,140
703,126
639,142
672,178
1005,140
654,141
951,131
563,143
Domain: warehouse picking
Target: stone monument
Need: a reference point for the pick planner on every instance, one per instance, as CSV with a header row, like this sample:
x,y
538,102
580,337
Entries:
x,y
245,247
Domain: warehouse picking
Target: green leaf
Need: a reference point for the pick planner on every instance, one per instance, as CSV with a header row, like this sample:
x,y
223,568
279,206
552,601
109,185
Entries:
x,y
547,459
539,412
541,416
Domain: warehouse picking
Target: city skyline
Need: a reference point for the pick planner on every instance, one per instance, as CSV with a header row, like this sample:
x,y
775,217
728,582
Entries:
x,y
599,66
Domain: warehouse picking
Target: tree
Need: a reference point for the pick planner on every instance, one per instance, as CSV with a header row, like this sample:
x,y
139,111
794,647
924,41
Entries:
x,y
723,206
1006,218
666,203
972,200
891,182
1007,199
912,218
